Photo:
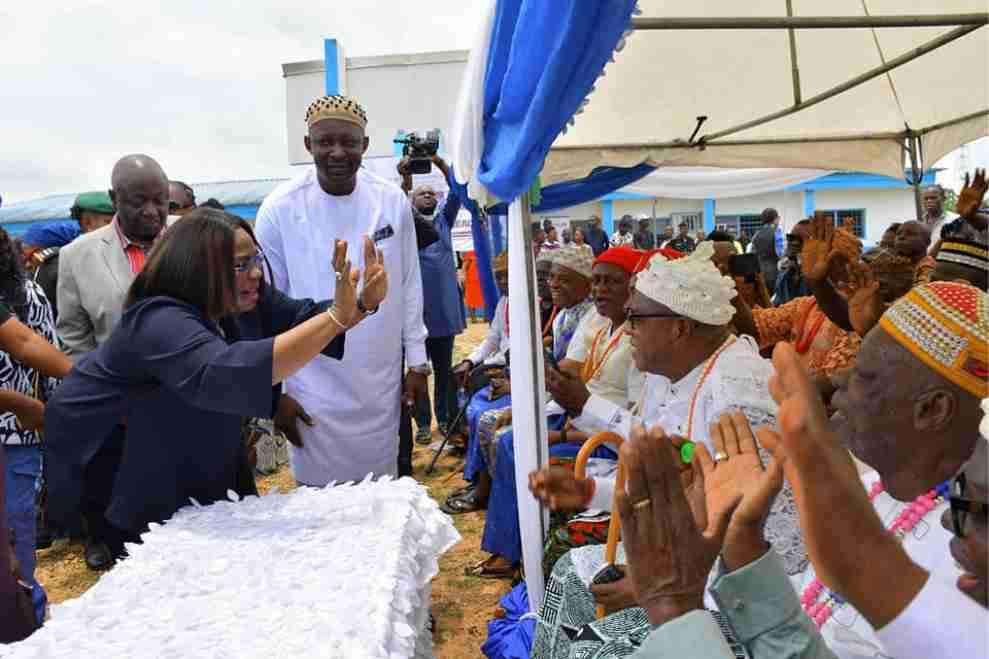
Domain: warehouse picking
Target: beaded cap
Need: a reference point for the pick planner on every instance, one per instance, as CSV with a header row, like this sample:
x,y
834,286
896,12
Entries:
x,y
691,286
336,107
580,261
944,325
964,252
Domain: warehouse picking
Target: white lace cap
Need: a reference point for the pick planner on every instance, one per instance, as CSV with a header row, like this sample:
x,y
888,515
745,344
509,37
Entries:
x,y
580,261
691,286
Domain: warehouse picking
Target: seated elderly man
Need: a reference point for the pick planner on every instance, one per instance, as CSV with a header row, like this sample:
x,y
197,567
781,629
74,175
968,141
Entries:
x,y
569,284
679,319
908,410
600,354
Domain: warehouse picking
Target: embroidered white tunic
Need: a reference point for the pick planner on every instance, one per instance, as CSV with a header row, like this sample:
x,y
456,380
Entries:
x,y
355,401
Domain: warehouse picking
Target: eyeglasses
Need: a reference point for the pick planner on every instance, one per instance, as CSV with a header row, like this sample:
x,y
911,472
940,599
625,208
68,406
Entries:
x,y
248,265
962,507
632,318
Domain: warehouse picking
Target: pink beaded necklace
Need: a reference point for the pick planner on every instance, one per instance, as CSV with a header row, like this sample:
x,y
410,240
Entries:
x,y
821,611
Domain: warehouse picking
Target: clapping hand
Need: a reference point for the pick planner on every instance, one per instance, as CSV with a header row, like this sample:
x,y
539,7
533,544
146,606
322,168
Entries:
x,y
669,557
819,250
739,491
375,277
970,198
864,304
850,550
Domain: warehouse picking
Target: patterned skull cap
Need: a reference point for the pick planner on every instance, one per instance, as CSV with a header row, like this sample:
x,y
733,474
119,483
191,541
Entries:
x,y
944,325
964,252
691,286
336,107
580,261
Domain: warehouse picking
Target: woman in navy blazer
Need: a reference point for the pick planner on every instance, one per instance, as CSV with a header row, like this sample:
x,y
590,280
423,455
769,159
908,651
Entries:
x,y
181,381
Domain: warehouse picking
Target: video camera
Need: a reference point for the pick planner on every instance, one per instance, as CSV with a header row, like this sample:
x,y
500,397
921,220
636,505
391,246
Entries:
x,y
420,149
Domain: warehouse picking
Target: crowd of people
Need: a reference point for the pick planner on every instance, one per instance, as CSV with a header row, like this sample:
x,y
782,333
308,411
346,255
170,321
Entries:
x,y
709,366
792,425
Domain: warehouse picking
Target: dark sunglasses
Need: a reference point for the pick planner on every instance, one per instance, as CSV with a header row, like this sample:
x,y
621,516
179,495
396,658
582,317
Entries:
x,y
632,318
961,507
174,206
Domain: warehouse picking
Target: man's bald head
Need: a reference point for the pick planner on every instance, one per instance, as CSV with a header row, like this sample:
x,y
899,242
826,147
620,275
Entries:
x,y
140,196
913,239
136,165
424,199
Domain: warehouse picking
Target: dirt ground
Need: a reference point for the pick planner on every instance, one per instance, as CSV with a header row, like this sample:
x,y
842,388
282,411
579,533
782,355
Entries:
x,y
462,605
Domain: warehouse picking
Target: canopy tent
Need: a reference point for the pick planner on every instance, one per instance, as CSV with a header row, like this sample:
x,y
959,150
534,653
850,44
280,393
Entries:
x,y
763,84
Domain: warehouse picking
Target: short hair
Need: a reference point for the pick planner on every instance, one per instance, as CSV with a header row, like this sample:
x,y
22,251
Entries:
x,y
895,226
193,263
803,222
682,224
769,215
937,187
188,190
537,227
720,236
213,202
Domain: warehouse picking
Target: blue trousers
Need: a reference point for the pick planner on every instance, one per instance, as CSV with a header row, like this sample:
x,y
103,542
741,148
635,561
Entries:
x,y
23,472
502,534
440,352
479,404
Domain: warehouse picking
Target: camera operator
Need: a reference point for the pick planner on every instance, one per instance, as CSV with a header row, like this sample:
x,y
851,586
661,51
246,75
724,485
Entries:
x,y
443,311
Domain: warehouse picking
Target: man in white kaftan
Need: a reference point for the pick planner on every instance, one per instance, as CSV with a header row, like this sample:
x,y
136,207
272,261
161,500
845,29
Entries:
x,y
353,402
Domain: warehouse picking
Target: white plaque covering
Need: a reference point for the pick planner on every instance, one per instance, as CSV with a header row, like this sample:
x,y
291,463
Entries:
x,y
334,572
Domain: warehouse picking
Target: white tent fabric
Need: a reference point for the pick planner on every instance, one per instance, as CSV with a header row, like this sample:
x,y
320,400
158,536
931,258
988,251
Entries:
x,y
717,182
644,108
664,79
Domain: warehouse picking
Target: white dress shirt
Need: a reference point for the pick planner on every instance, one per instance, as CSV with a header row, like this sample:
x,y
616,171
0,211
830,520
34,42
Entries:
x,y
496,342
354,401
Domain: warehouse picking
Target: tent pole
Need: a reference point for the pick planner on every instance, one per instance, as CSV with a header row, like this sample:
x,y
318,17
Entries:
x,y
952,122
528,393
794,69
923,49
806,22
916,174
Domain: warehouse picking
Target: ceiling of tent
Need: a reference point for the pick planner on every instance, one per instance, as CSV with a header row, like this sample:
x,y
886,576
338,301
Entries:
x,y
663,79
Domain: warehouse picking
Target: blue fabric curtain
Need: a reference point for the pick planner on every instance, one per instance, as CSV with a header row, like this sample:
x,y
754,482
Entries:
x,y
544,59
602,181
482,247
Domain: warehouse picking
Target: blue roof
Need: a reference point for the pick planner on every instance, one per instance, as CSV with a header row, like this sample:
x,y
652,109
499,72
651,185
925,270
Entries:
x,y
228,193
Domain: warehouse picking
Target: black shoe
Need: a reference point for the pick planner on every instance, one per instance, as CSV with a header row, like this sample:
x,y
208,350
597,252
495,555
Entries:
x,y
98,557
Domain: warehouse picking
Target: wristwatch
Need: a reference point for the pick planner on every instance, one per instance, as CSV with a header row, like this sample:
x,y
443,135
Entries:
x,y
422,369
364,310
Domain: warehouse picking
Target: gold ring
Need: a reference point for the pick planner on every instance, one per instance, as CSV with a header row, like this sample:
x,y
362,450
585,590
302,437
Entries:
x,y
639,505
720,457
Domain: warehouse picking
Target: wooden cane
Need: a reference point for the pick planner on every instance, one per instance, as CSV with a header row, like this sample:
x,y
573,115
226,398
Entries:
x,y
614,525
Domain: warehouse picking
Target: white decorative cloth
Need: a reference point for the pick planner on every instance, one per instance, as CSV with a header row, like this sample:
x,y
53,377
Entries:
x,y
579,260
334,572
691,286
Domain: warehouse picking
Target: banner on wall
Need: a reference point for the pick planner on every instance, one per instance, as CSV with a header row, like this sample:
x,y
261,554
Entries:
x,y
462,237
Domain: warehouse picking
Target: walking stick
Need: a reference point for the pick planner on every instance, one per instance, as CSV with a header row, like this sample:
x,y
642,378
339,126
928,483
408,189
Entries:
x,y
614,525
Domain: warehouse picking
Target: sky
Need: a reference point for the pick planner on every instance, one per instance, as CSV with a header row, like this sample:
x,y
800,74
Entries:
x,y
197,85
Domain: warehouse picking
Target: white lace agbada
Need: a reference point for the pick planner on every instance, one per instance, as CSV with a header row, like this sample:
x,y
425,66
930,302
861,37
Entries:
x,y
738,380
